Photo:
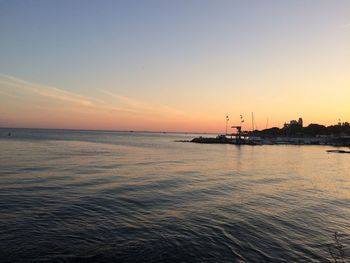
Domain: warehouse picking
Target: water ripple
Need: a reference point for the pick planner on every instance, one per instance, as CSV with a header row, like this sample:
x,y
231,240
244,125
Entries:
x,y
101,197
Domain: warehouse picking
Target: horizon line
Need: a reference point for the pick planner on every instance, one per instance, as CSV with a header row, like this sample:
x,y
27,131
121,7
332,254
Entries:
x,y
106,130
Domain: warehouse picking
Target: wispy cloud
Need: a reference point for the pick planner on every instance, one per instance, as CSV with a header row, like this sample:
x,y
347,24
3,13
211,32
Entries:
x,y
13,86
141,106
46,91
123,99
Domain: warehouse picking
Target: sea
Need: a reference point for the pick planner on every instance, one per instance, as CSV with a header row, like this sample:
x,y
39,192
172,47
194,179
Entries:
x,y
103,196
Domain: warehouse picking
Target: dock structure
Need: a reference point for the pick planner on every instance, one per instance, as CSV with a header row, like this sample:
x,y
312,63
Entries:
x,y
232,138
238,135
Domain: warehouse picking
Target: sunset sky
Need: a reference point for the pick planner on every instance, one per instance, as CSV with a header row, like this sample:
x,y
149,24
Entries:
x,y
173,65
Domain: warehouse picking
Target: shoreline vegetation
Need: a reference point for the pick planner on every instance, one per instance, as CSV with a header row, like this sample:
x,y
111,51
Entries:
x,y
292,133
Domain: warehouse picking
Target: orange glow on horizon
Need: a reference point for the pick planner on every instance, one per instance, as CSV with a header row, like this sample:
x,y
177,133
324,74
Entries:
x,y
28,104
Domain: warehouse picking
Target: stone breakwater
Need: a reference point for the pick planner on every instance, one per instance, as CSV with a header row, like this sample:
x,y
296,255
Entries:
x,y
252,140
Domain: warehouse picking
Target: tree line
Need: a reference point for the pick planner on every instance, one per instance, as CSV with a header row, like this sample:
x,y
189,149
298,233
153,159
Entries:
x,y
312,130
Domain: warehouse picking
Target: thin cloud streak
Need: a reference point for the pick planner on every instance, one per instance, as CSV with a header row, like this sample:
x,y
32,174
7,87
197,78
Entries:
x,y
56,94
46,91
126,101
122,104
142,106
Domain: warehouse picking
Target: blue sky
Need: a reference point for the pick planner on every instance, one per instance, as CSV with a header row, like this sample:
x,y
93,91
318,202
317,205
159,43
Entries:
x,y
201,58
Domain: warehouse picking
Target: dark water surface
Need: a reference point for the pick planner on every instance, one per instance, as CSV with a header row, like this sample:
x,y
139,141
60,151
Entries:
x,y
141,197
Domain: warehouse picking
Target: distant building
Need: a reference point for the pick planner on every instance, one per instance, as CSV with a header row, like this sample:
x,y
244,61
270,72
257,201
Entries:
x,y
294,123
300,122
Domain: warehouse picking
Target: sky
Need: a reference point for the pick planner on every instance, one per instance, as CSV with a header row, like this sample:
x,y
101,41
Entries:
x,y
173,65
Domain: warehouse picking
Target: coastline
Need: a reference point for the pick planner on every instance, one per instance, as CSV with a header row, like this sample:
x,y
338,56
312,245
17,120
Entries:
x,y
337,141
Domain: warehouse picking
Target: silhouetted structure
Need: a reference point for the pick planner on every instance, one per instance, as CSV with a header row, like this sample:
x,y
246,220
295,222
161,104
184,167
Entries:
x,y
291,133
295,123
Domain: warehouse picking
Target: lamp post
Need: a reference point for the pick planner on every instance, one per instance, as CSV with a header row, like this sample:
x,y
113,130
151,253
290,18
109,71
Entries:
x,y
227,119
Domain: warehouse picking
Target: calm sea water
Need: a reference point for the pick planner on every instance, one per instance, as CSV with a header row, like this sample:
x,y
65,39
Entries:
x,y
142,197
